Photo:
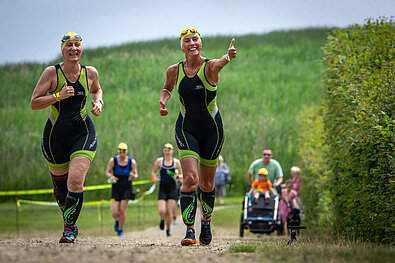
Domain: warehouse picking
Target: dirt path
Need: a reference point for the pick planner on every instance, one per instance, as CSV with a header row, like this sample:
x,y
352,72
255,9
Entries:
x,y
150,245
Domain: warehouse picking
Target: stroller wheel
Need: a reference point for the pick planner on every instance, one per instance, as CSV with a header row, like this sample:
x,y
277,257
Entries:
x,y
280,229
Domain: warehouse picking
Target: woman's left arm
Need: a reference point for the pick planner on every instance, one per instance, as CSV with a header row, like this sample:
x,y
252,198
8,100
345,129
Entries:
x,y
214,66
134,174
95,91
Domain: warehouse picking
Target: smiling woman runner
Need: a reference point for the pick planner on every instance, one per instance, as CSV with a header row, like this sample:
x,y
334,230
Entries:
x,y
198,131
121,170
69,140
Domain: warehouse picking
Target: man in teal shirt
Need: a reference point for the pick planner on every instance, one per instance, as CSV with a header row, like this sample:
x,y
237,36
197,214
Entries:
x,y
275,175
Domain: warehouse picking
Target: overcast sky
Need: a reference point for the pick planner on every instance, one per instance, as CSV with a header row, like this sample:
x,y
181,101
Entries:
x,y
31,29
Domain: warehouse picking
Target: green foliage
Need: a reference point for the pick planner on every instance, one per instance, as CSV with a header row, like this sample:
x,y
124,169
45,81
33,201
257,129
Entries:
x,y
260,95
315,193
359,120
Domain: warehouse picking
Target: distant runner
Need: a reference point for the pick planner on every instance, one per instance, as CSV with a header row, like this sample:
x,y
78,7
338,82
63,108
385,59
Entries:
x,y
198,132
169,168
121,169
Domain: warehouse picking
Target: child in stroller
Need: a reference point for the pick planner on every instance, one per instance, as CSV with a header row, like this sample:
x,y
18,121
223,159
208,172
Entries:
x,y
260,214
262,186
290,214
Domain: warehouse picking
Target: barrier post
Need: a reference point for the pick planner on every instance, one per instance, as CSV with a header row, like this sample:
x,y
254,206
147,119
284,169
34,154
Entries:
x,y
138,213
17,216
101,214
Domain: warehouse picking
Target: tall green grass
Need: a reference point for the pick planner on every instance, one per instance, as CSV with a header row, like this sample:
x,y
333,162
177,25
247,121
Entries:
x,y
260,97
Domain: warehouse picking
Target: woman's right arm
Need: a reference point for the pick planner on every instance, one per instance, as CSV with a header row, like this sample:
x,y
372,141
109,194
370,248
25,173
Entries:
x,y
109,168
154,178
165,93
39,99
46,83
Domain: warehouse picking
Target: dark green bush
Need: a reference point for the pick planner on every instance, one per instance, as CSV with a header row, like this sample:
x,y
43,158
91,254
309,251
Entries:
x,y
359,122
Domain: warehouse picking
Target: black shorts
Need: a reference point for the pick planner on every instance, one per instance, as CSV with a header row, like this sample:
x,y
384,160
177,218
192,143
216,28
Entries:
x,y
202,142
61,143
167,190
122,190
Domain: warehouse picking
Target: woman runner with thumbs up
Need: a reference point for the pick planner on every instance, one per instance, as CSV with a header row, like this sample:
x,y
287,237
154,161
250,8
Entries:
x,y
198,132
69,141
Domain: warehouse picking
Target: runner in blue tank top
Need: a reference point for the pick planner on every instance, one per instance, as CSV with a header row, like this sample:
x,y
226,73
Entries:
x,y
198,131
69,140
169,169
121,169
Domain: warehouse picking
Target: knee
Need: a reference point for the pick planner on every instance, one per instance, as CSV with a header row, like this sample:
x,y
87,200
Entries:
x,y
162,212
122,212
206,185
169,209
115,214
190,181
74,185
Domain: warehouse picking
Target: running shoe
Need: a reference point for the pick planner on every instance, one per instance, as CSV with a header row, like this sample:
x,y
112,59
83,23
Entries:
x,y
189,238
68,236
116,226
168,232
162,225
120,233
205,233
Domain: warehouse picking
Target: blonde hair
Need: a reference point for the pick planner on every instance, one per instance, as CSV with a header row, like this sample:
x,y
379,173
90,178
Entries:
x,y
295,169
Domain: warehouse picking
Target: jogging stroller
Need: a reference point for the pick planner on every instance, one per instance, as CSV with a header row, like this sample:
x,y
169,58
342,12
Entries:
x,y
259,216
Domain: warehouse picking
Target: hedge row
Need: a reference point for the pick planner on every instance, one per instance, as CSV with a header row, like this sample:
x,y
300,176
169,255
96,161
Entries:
x,y
359,122
315,191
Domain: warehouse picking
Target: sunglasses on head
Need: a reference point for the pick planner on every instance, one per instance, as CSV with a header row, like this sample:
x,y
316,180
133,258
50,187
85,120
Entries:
x,y
191,30
77,37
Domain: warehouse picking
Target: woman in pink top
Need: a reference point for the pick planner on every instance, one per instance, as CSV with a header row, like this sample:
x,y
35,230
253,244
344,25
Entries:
x,y
288,195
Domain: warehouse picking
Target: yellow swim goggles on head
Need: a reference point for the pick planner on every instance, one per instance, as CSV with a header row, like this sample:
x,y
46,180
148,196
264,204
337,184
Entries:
x,y
187,31
67,37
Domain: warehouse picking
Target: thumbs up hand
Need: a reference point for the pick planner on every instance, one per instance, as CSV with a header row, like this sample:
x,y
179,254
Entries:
x,y
232,50
96,107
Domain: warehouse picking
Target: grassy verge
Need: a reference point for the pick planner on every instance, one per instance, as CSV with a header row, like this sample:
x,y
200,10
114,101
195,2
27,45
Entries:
x,y
307,248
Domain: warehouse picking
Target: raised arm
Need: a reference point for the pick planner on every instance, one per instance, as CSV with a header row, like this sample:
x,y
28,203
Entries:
x,y
165,93
95,91
214,66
